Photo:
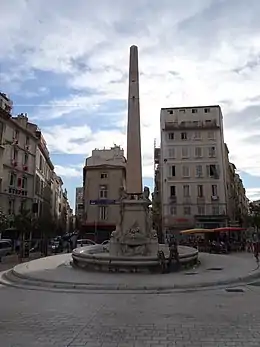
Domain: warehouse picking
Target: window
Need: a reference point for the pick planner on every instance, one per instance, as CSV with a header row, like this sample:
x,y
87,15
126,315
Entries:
x,y
12,179
23,206
24,183
19,182
103,191
215,210
212,151
194,110
214,190
25,159
11,207
186,210
201,210
37,185
172,152
200,191
27,141
103,212
211,135
171,111
41,163
171,136
184,136
186,191
207,110
16,134
185,152
182,110
197,135
199,171
173,210
15,154
1,132
198,152
185,171
172,171
213,171
103,175
172,190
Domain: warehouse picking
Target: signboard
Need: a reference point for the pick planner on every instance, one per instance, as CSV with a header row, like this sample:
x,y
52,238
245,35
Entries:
x,y
103,202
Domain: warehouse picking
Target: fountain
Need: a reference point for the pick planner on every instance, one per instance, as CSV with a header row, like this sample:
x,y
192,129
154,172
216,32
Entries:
x,y
133,245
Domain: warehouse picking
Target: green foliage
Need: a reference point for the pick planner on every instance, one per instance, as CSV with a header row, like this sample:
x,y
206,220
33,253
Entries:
x,y
4,221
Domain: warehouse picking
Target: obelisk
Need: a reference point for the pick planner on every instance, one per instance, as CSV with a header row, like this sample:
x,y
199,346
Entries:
x,y
134,157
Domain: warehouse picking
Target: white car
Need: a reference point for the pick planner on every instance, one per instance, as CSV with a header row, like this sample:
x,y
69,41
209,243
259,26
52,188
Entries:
x,y
85,242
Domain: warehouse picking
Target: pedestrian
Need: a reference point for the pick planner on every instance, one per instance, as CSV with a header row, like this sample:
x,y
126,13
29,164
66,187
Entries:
x,y
256,252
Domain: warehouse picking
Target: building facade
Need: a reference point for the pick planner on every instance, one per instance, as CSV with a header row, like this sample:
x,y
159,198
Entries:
x,y
192,168
79,204
237,201
43,174
6,104
104,175
18,160
27,178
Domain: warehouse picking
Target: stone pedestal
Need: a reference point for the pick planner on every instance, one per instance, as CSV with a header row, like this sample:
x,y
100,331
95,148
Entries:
x,y
134,235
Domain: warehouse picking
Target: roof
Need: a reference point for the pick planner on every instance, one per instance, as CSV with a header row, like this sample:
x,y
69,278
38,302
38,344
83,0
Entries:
x,y
189,107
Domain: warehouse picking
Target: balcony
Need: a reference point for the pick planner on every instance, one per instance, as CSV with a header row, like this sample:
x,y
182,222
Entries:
x,y
187,200
173,199
214,198
189,125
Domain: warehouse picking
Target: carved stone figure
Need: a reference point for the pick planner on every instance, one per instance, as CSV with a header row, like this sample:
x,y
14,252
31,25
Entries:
x,y
146,193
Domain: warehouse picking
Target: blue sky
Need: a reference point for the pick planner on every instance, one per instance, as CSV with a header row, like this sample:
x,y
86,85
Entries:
x,y
66,65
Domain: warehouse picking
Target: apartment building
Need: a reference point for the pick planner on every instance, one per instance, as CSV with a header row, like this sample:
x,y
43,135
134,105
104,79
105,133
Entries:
x,y
103,176
237,201
43,174
56,189
79,203
17,157
192,168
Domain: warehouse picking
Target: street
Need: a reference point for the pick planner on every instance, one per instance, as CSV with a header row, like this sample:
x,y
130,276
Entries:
x,y
213,318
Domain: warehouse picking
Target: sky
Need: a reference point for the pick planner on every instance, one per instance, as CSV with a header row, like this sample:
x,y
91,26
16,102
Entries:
x,y
66,65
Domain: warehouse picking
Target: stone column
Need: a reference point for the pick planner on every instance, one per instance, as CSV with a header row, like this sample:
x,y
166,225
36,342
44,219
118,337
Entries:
x,y
134,159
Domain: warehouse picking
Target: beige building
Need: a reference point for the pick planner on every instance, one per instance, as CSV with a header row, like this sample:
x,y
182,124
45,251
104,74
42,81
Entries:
x,y
104,175
79,204
193,168
17,158
57,195
43,175
237,201
27,177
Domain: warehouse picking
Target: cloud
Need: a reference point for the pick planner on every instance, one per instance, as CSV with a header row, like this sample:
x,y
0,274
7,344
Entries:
x,y
253,193
68,171
191,53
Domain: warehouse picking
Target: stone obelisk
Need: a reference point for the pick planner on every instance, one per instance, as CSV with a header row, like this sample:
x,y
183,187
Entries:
x,y
134,158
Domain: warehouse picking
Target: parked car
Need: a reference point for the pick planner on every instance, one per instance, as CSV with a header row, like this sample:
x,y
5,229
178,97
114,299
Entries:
x,y
85,242
5,248
57,246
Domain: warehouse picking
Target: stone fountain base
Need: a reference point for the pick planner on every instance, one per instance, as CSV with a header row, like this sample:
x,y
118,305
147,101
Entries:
x,y
99,258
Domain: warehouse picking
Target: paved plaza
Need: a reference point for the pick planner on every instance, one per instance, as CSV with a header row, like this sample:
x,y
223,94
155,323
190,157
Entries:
x,y
213,318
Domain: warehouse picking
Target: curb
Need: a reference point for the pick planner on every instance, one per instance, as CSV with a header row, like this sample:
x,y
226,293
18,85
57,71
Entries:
x,y
41,284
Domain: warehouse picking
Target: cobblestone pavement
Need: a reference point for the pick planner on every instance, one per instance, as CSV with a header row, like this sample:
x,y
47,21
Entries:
x,y
210,318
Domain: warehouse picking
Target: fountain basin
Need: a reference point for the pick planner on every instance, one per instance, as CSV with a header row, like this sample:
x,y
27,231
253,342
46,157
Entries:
x,y
98,258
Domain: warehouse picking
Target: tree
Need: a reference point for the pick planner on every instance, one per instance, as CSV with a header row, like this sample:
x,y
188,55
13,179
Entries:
x,y
23,223
4,221
254,216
